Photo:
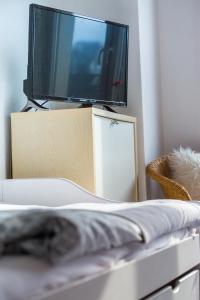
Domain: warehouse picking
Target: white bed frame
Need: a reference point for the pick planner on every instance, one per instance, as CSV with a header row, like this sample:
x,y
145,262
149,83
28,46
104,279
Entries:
x,y
137,279
131,281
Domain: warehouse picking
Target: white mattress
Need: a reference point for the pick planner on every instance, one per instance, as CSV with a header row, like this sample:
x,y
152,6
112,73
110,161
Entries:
x,y
27,278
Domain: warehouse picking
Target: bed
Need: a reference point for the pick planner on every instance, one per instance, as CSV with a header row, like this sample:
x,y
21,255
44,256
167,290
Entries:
x,y
133,271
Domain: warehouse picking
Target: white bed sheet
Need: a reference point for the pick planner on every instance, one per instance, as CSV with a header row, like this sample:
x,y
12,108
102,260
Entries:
x,y
27,278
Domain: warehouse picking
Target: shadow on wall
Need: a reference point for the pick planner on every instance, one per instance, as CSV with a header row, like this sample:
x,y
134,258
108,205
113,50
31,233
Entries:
x,y
13,60
11,103
153,189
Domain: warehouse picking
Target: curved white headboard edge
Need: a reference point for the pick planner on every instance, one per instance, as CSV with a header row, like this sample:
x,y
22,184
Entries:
x,y
44,191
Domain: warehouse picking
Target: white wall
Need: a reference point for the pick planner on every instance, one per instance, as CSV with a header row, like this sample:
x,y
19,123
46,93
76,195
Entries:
x,y
13,60
179,26
150,79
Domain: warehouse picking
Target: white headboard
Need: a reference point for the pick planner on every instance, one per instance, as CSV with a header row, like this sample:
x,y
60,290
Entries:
x,y
50,192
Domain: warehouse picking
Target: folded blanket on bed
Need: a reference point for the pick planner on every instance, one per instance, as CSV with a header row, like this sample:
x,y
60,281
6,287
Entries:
x,y
77,229
54,234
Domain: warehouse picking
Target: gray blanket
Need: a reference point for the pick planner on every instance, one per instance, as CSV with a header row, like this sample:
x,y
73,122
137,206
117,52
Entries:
x,y
62,234
79,229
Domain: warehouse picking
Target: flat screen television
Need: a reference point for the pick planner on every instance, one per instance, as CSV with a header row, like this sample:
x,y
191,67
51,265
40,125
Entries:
x,y
75,58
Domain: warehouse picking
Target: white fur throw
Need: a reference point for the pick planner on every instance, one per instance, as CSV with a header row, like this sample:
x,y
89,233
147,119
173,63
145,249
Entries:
x,y
185,166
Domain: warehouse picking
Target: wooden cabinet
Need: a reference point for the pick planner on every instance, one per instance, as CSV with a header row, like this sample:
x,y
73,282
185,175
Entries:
x,y
92,147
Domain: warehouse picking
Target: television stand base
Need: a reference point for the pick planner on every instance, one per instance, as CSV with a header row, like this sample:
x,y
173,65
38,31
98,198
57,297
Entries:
x,y
85,105
32,104
105,107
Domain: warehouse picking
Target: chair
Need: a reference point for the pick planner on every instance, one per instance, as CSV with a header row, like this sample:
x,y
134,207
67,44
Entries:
x,y
159,171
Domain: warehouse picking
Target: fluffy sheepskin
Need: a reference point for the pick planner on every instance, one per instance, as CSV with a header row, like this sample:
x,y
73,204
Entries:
x,y
185,166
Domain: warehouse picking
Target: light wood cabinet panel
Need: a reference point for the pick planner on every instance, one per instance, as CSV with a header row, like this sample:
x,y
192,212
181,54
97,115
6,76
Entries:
x,y
94,148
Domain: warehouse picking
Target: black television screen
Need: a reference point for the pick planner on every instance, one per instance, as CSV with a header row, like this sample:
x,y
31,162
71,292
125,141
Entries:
x,y
75,58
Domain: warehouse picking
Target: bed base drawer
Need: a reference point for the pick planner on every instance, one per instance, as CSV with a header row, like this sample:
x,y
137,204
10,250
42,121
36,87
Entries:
x,y
185,288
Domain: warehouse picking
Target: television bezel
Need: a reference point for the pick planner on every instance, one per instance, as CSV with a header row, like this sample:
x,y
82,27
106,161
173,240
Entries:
x,y
28,86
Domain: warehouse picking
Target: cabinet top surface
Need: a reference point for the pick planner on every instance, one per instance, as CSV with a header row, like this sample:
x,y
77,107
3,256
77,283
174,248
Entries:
x,y
89,110
112,115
